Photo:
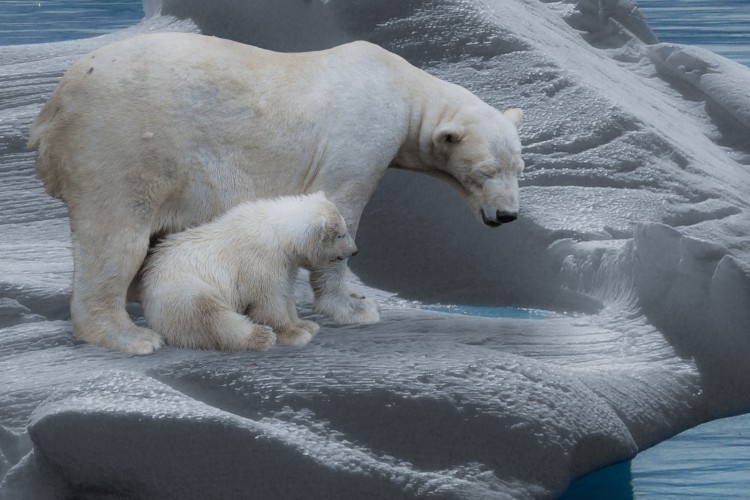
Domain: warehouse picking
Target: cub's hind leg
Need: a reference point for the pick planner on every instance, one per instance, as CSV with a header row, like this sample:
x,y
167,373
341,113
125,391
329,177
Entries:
x,y
226,330
278,311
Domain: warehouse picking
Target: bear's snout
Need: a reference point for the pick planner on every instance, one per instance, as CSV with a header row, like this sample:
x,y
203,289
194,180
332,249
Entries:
x,y
501,217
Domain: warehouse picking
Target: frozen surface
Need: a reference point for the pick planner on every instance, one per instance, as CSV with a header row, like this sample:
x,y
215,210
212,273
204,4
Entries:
x,y
634,222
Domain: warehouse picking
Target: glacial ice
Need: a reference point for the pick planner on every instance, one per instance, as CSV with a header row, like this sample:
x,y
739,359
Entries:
x,y
634,225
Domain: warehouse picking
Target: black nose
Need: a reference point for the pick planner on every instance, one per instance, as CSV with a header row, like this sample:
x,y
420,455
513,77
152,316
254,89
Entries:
x,y
505,217
500,218
355,253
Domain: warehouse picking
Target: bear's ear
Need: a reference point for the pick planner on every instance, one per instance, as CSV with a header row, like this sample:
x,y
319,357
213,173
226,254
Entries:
x,y
448,133
515,115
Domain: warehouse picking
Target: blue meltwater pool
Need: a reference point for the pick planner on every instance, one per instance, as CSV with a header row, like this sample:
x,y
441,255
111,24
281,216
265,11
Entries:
x,y
493,312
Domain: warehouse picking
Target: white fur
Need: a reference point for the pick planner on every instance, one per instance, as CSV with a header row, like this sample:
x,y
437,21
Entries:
x,y
166,131
199,286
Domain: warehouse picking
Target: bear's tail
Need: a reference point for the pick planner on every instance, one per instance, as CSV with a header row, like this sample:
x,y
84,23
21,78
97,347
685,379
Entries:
x,y
41,139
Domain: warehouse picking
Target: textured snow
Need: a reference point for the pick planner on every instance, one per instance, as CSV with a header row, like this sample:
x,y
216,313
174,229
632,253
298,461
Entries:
x,y
634,223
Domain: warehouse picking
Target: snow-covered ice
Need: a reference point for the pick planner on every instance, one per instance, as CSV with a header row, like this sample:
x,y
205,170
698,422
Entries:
x,y
635,223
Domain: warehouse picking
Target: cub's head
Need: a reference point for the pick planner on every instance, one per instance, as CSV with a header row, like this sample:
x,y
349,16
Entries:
x,y
479,153
329,238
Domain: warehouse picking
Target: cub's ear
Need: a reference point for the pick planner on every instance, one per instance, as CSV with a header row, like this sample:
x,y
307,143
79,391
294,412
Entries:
x,y
330,231
515,115
447,134
324,228
318,195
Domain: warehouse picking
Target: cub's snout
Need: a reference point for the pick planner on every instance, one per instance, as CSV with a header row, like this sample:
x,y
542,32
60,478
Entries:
x,y
349,248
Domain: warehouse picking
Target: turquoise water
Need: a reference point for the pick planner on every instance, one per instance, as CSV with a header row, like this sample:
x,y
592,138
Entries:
x,y
710,461
493,312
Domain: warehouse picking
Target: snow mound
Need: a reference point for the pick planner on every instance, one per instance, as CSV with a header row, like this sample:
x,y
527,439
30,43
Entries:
x,y
228,435
634,223
723,82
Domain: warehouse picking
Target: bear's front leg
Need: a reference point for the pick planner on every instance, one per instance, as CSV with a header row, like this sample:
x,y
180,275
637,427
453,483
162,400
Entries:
x,y
335,299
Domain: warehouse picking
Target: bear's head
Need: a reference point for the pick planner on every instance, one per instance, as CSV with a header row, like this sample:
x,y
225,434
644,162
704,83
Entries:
x,y
478,152
329,237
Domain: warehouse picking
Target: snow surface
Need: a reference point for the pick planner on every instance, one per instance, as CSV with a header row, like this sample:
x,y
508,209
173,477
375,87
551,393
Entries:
x,y
634,222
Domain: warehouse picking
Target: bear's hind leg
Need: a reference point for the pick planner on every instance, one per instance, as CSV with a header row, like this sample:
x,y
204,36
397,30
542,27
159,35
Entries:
x,y
106,257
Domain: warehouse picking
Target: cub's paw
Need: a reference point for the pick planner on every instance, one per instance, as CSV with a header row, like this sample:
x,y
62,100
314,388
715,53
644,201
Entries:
x,y
309,326
349,308
261,338
294,336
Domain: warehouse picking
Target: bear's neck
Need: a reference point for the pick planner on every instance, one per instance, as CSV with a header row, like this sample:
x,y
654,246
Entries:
x,y
438,103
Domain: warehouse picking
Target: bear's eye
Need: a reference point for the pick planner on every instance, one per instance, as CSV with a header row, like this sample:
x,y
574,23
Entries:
x,y
341,236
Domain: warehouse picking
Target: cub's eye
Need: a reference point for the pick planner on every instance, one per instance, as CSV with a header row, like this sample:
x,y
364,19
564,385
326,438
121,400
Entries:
x,y
487,172
341,236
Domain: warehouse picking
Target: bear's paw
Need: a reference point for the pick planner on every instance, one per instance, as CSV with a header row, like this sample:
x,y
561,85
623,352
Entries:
x,y
349,308
128,338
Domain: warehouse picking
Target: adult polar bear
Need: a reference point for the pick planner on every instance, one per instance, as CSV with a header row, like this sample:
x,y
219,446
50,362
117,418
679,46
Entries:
x,y
165,131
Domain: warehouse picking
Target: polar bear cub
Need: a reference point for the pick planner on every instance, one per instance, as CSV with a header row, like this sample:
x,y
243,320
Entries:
x,y
229,284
